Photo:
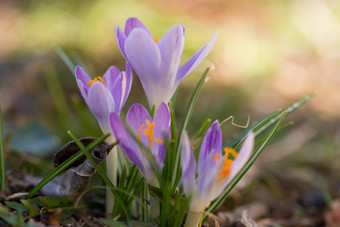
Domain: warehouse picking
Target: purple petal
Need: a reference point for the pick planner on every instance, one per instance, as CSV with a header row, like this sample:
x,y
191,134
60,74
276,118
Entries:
x,y
110,77
143,54
243,155
120,36
129,78
137,116
101,104
133,23
212,144
171,47
241,159
127,143
162,120
188,166
82,75
196,59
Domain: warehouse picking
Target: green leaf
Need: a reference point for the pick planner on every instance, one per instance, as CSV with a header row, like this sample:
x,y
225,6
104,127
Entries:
x,y
49,201
32,210
193,100
63,56
251,161
16,206
145,195
63,166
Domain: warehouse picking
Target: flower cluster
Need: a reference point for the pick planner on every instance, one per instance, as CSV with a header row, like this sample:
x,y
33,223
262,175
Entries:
x,y
157,63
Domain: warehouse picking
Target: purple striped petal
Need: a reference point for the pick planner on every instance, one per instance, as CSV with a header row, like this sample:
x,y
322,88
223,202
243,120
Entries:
x,y
110,77
196,59
162,120
133,23
120,36
129,146
82,75
144,55
136,116
101,104
212,144
171,47
188,166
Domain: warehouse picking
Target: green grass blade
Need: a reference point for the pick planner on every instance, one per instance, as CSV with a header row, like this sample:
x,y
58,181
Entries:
x,y
2,155
145,195
102,173
251,161
203,128
63,56
63,166
193,100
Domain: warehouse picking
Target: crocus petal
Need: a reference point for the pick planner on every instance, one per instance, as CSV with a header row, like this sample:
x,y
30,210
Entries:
x,y
120,36
196,59
171,47
110,77
241,159
188,166
136,117
127,143
212,144
133,23
243,155
101,104
162,120
144,55
82,75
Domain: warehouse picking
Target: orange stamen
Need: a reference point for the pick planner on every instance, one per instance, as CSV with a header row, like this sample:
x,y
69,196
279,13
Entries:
x,y
99,78
230,152
216,156
225,170
149,132
156,40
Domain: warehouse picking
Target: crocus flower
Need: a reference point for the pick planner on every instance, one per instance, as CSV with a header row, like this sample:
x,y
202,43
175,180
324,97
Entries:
x,y
215,170
151,132
157,62
106,94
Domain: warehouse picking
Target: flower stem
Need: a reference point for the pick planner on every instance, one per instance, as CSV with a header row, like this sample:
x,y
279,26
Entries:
x,y
154,206
193,219
111,169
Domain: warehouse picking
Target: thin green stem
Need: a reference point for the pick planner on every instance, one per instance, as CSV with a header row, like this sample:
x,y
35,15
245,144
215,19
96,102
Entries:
x,y
111,170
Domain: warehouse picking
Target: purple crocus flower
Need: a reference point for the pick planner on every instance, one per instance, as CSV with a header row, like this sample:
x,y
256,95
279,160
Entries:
x,y
106,94
215,170
150,132
157,63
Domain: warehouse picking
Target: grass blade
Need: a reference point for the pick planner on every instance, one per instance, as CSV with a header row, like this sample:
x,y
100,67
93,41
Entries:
x,y
2,155
251,161
63,56
193,100
102,173
63,166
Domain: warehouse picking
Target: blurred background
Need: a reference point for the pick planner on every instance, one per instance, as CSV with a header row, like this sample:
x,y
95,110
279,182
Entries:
x,y
268,54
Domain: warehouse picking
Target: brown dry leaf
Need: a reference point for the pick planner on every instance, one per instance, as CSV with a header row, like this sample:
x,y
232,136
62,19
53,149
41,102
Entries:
x,y
53,219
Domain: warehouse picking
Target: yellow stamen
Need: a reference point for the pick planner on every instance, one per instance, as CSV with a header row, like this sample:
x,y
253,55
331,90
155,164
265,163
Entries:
x,y
225,170
216,156
99,78
230,152
148,131
156,40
